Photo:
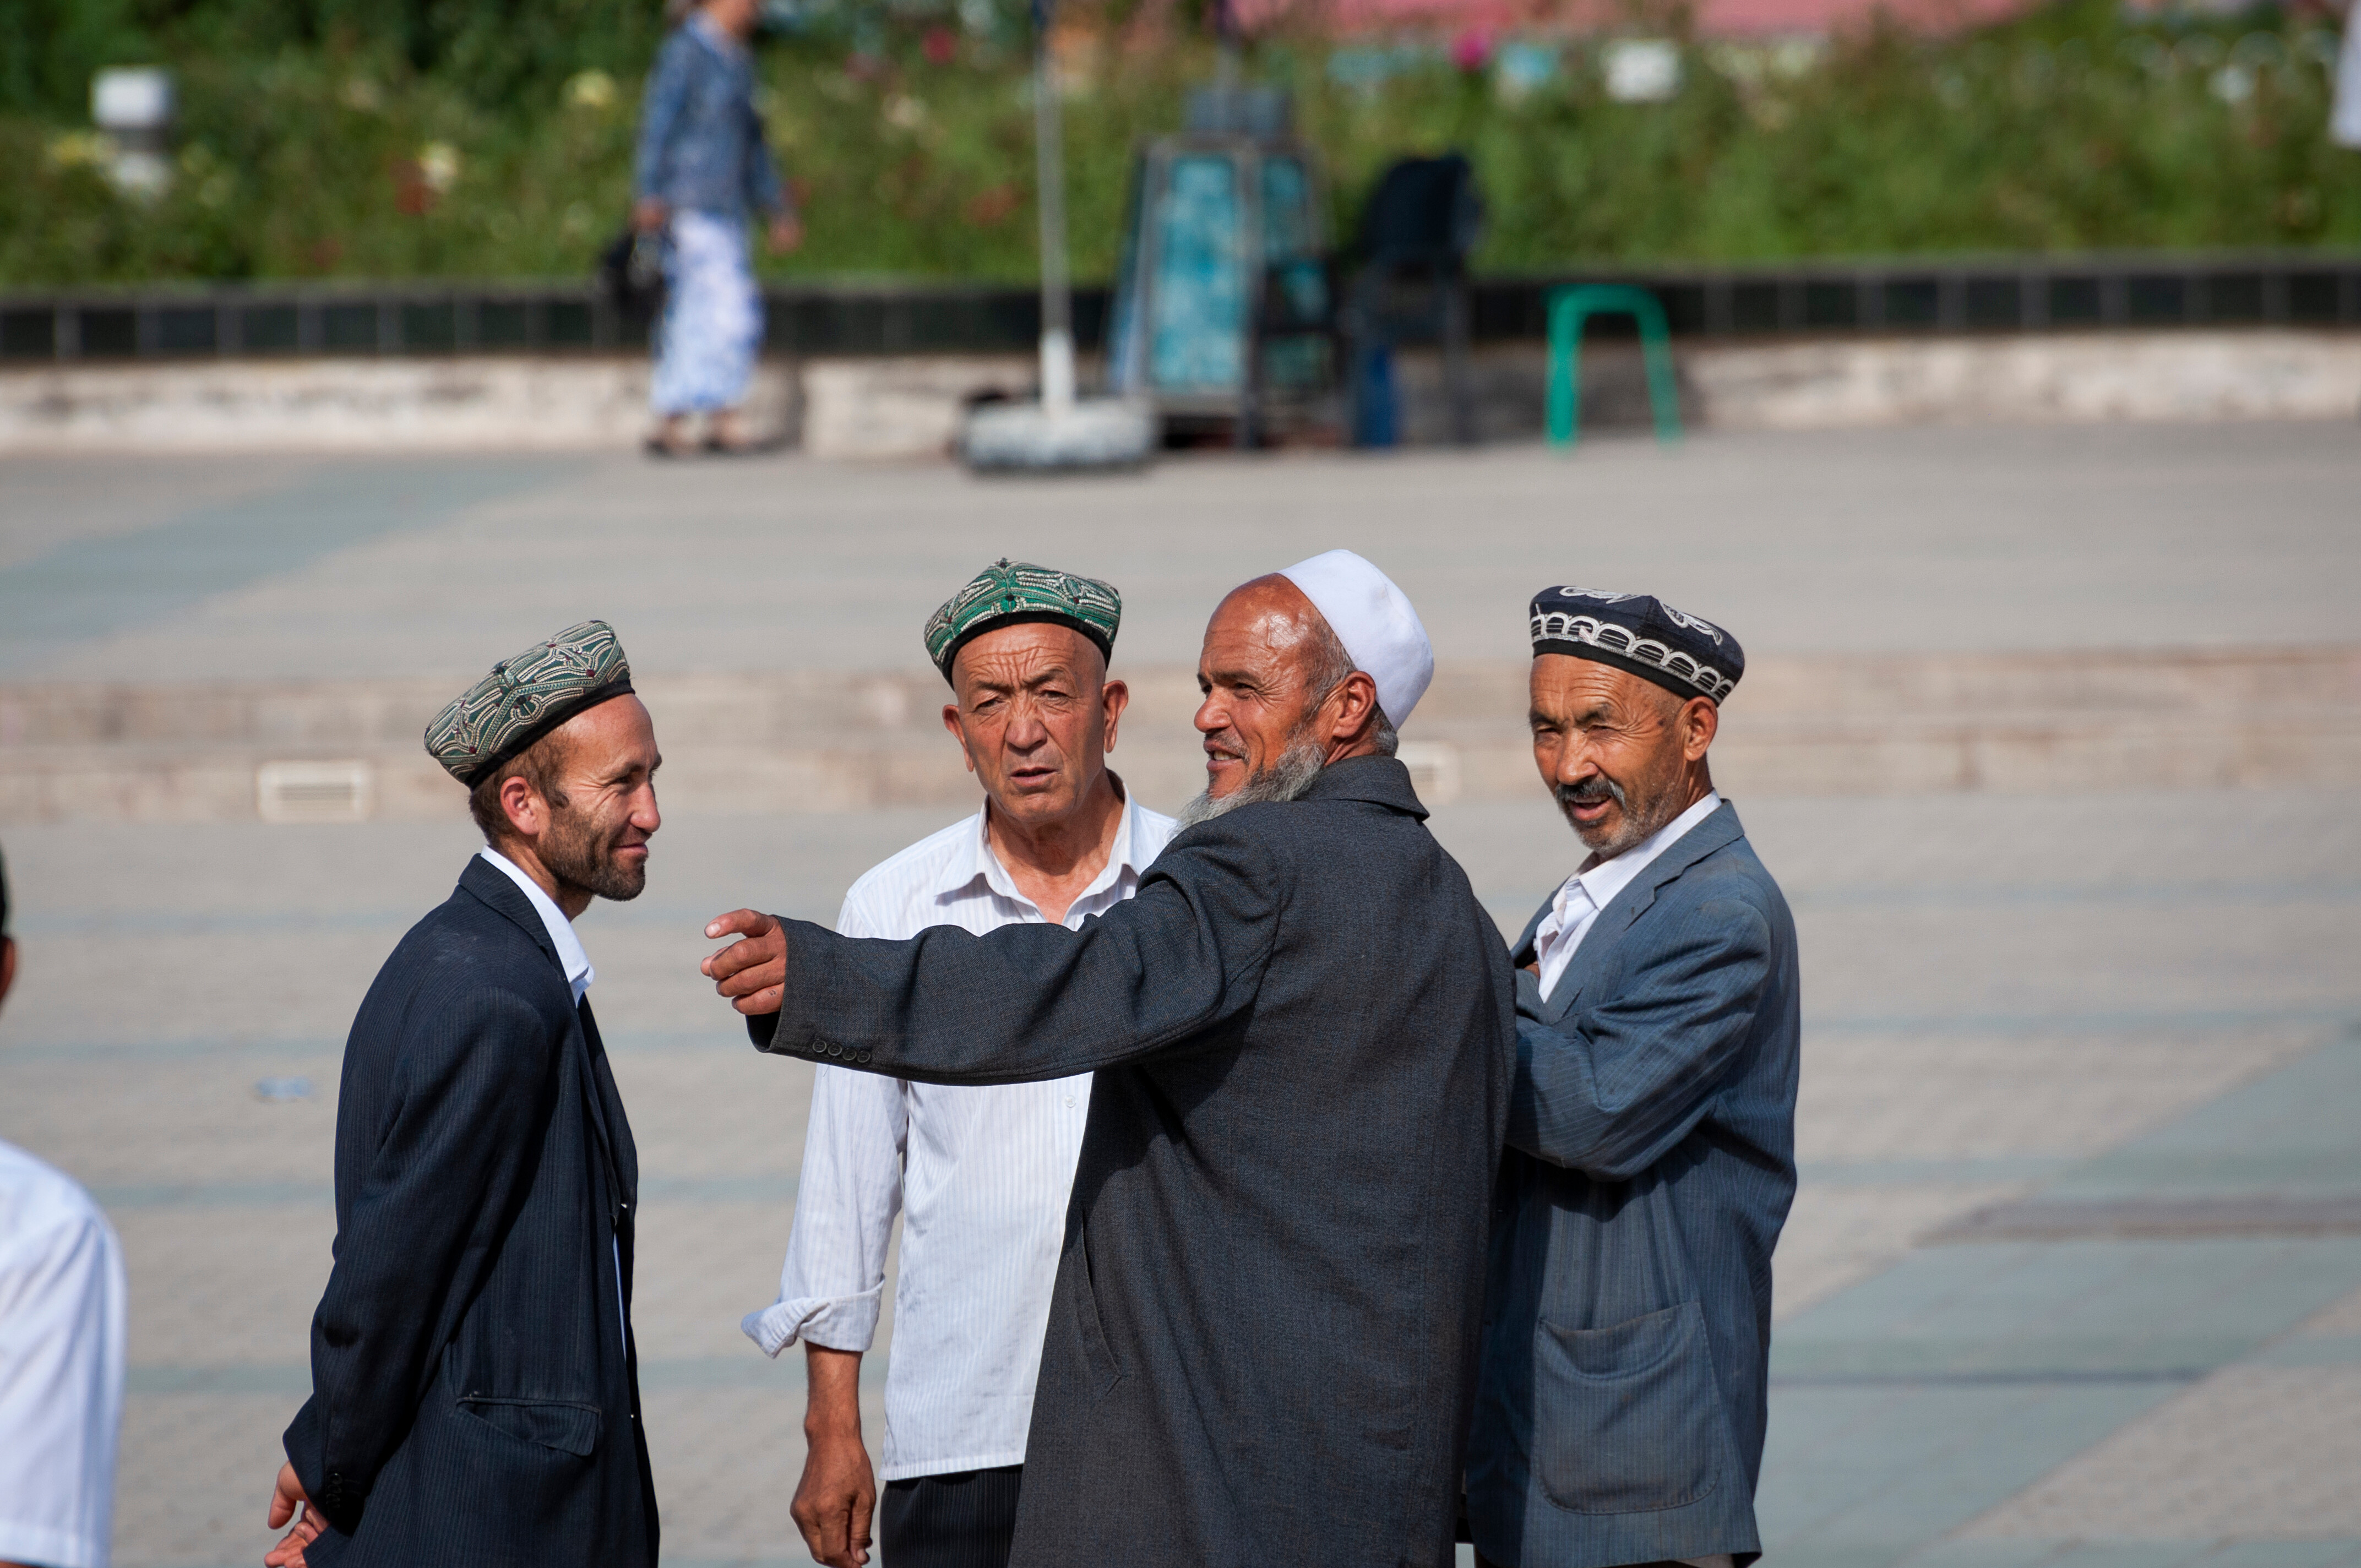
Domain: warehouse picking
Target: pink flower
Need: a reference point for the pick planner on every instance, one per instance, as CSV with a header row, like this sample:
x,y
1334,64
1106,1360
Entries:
x,y
1471,50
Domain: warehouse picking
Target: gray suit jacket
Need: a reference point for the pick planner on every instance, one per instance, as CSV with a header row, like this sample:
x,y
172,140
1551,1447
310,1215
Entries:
x,y
1262,1338
1650,1165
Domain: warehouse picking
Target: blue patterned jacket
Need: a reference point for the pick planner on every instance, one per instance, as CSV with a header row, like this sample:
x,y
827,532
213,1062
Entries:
x,y
1651,1163
701,145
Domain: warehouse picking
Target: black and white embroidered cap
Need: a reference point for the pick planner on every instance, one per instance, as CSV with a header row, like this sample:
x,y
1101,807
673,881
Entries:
x,y
1642,634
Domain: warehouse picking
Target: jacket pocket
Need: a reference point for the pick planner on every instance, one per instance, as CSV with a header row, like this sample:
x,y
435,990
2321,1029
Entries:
x,y
1627,1419
565,1425
1105,1372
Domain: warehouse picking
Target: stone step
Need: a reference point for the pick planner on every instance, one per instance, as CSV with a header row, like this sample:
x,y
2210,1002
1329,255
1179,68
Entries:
x,y
833,741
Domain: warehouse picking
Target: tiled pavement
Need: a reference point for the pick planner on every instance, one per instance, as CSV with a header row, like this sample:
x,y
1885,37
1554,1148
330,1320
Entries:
x,y
2136,999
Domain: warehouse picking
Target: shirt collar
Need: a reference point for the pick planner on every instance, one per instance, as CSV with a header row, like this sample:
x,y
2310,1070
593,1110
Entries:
x,y
570,956
986,864
1602,882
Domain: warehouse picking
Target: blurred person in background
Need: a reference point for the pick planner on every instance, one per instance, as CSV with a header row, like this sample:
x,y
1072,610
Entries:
x,y
1652,1123
2344,119
984,1171
62,1311
475,1389
701,164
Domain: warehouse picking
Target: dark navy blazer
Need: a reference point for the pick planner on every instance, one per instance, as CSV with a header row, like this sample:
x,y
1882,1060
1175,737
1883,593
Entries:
x,y
1627,1334
475,1401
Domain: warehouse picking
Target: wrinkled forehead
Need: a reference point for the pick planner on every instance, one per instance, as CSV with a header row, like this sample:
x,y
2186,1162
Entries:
x,y
1565,686
1025,652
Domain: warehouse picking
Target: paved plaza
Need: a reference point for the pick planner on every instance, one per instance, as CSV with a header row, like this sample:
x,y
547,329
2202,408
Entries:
x,y
2075,1275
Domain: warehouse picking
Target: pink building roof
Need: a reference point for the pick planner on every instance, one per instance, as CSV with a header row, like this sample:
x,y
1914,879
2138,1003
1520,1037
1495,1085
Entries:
x,y
1714,18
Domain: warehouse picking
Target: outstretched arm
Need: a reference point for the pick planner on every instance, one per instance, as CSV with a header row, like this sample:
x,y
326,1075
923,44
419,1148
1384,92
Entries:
x,y
1023,1002
1609,1090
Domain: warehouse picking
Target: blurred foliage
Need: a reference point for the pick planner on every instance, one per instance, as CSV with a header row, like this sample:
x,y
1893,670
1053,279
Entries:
x,y
492,52
492,139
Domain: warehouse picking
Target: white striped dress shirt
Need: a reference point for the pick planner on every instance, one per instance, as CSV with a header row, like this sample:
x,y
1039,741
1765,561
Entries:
x,y
1582,896
981,1176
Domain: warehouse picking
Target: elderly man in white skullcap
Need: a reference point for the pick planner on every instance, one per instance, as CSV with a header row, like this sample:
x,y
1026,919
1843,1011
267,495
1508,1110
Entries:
x,y
1262,1338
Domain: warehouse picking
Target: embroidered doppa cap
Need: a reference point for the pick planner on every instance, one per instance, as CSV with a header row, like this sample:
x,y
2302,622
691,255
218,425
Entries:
x,y
1010,593
1642,634
525,697
1376,623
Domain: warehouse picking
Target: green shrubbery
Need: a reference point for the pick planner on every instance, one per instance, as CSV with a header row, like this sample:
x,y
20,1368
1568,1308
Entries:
x,y
466,137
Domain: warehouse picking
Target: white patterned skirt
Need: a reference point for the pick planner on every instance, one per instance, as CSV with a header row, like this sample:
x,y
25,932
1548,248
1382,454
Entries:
x,y
712,319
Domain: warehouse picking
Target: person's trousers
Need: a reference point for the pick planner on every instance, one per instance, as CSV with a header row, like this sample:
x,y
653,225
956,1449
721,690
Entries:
x,y
713,317
961,1520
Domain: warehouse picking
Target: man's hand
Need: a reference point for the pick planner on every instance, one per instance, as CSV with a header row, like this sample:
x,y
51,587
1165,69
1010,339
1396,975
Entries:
x,y
786,233
289,1501
839,1492
752,973
650,214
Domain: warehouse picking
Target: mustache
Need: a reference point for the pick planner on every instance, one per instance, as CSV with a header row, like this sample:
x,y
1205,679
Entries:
x,y
1589,792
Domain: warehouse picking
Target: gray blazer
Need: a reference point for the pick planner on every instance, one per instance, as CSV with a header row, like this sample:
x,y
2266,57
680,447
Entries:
x,y
1627,1328
1262,1338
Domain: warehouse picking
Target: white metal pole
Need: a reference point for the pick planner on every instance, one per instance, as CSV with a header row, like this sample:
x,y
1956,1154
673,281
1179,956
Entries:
x,y
1057,300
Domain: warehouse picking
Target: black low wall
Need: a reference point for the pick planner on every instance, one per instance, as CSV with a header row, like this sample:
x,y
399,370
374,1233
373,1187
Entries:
x,y
2008,295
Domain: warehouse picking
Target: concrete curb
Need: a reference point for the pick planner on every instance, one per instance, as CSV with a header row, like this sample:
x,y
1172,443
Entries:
x,y
899,407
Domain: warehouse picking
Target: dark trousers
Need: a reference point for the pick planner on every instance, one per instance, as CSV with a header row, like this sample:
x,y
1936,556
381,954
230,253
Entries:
x,y
961,1520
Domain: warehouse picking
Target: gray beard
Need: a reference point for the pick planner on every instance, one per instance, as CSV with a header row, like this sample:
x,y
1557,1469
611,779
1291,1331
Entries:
x,y
1285,779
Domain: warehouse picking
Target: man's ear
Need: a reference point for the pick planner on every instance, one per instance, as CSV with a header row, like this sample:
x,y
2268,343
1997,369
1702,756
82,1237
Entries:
x,y
1113,697
1704,717
1356,713
7,965
526,813
958,733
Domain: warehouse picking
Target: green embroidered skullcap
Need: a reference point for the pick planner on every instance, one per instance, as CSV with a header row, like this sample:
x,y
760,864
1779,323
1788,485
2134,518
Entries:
x,y
525,697
1010,593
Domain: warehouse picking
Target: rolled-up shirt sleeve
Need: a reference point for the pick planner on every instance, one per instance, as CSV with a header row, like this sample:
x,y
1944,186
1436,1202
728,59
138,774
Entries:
x,y
832,1284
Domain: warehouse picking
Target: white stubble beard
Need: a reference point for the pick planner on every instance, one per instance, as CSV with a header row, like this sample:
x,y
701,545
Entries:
x,y
1286,779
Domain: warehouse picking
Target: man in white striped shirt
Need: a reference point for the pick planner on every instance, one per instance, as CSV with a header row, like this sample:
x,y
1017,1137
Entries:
x,y
982,1175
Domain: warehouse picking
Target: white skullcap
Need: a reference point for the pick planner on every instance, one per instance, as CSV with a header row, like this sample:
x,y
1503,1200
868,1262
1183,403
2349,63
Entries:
x,y
1374,621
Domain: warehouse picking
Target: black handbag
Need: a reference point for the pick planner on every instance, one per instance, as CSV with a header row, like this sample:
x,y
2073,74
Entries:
x,y
630,273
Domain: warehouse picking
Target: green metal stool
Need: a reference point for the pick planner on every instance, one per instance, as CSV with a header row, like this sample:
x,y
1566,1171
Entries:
x,y
1569,307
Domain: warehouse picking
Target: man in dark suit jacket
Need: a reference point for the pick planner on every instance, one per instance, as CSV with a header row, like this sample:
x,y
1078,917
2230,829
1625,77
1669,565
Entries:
x,y
1262,1341
1650,1128
475,1393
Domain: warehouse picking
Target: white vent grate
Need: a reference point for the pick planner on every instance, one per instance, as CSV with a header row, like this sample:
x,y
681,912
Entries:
x,y
1433,769
315,792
